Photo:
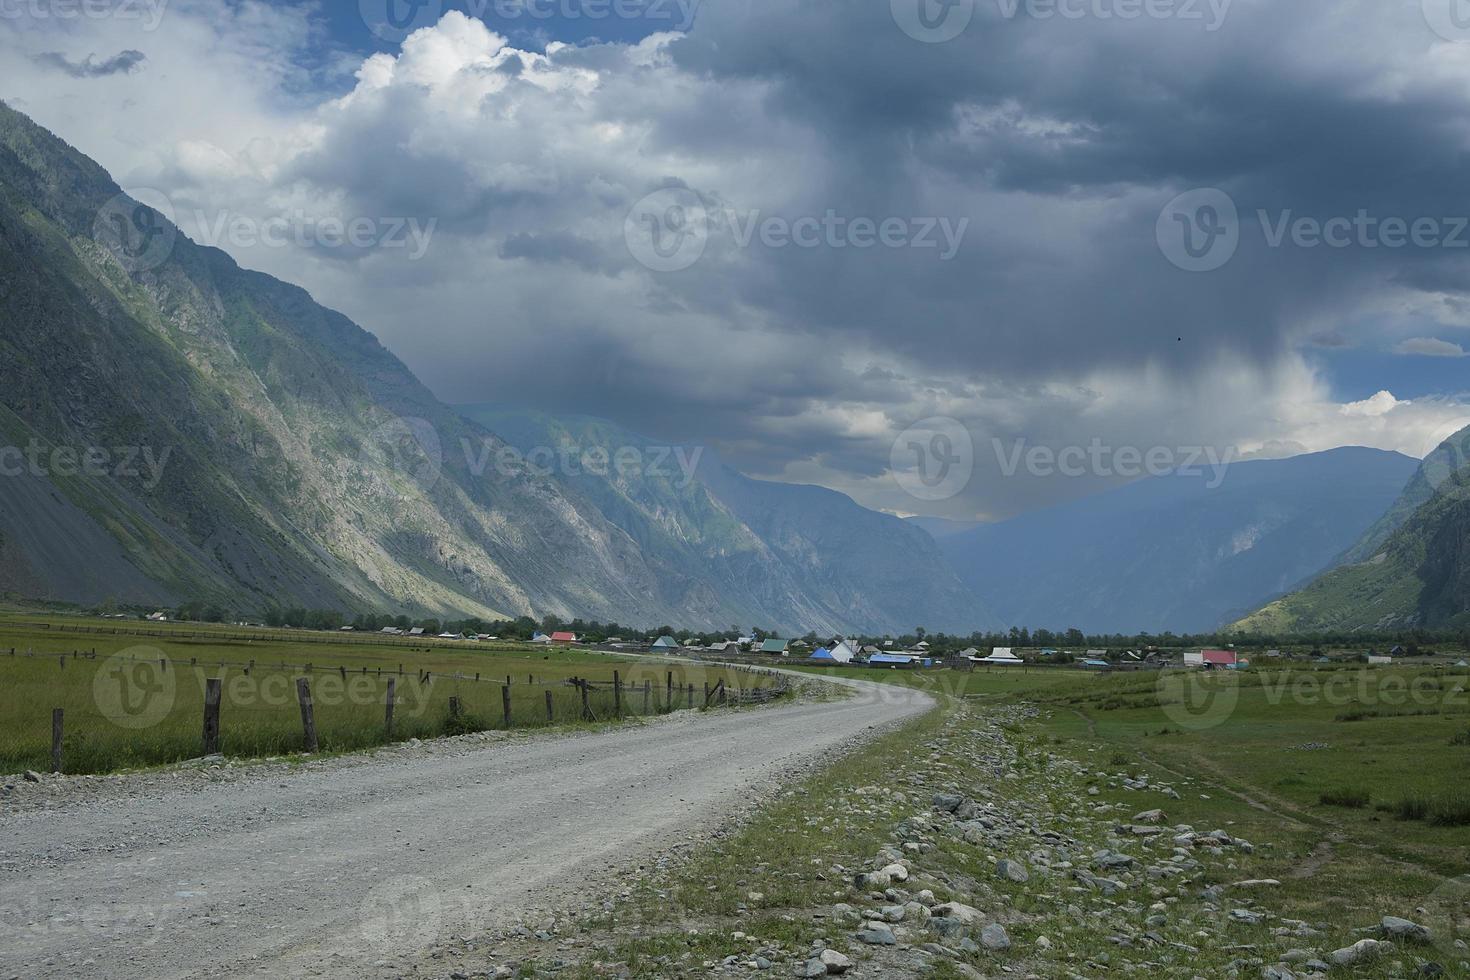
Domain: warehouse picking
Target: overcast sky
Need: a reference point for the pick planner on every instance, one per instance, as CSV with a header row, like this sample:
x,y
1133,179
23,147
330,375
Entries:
x,y
796,230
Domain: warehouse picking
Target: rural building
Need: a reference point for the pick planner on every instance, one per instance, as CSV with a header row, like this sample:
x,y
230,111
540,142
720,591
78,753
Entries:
x,y
844,653
773,646
1213,659
1374,661
665,643
892,660
561,636
1094,664
1004,657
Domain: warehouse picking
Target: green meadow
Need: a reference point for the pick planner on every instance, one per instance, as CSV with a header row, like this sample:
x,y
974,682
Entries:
x,y
133,694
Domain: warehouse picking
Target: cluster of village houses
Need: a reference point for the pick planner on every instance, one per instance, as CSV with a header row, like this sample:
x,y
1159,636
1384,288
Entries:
x,y
841,651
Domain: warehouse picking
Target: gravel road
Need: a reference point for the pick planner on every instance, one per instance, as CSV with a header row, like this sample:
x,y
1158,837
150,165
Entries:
x,y
355,866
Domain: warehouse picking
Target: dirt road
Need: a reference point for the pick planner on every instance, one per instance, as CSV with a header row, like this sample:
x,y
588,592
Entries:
x,y
348,867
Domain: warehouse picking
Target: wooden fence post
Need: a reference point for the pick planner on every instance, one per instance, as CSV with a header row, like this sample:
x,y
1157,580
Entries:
x,y
57,717
586,708
670,695
505,702
211,715
454,708
647,690
691,694
308,715
617,695
388,709
550,712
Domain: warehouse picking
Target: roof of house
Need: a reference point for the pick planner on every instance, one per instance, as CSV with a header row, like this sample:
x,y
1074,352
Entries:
x,y
416,631
821,653
1096,663
562,636
665,641
890,658
773,646
1220,656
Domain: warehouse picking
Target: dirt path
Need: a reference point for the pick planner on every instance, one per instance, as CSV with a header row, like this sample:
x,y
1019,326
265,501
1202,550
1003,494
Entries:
x,y
352,867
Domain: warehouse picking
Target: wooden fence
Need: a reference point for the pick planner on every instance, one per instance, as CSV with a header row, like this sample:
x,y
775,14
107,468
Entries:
x,y
627,699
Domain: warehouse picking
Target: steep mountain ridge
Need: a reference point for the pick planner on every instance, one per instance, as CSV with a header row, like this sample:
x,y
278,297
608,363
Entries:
x,y
297,460
806,553
1411,568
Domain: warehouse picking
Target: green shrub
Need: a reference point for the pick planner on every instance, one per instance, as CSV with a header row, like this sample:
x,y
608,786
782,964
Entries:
x,y
1350,797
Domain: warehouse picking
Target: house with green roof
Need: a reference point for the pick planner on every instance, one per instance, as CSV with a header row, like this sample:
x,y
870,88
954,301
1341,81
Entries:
x,y
774,646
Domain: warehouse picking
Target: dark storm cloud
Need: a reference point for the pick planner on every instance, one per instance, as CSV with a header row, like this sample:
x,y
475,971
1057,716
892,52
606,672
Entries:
x,y
122,63
1055,142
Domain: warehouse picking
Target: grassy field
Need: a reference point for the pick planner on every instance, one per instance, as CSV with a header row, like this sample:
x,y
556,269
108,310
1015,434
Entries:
x,y
1255,764
136,700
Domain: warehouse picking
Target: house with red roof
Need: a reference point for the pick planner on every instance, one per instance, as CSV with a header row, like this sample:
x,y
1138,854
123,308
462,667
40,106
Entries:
x,y
563,637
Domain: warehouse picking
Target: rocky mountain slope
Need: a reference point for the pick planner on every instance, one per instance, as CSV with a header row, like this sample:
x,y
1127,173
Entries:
x,y
1173,554
1412,568
243,444
802,553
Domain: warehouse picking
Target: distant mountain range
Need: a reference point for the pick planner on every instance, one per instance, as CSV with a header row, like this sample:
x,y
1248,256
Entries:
x,y
1171,554
251,447
1411,568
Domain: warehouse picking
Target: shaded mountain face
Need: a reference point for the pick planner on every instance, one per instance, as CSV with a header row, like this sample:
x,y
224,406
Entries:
x,y
1171,554
175,427
766,552
1411,568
